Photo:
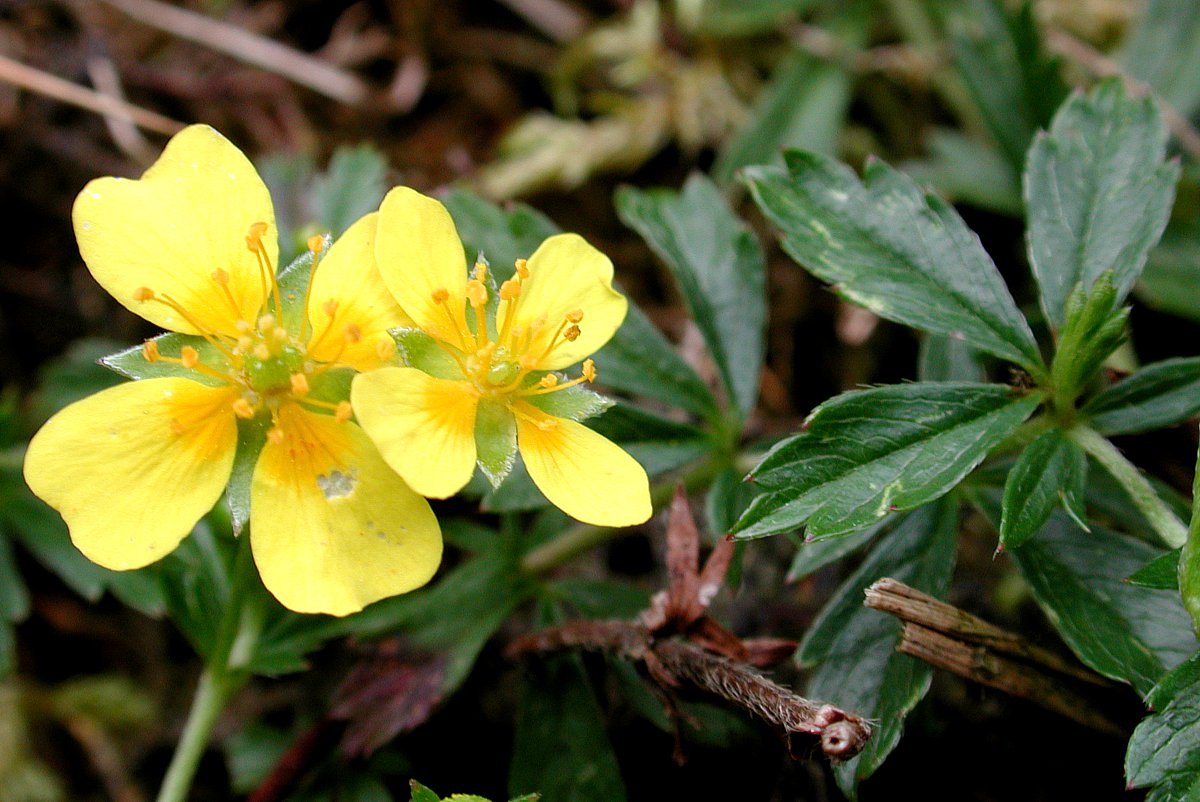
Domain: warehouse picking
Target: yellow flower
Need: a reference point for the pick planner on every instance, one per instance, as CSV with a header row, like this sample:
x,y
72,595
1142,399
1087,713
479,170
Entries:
x,y
191,247
494,388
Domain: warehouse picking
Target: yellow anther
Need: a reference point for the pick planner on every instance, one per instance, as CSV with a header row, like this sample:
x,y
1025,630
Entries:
x,y
548,381
316,243
480,271
279,335
330,307
254,236
441,295
244,343
189,356
571,334
266,323
510,290
522,268
220,276
476,292
150,351
589,369
243,409
262,351
384,349
528,362
576,316
176,427
143,294
343,413
275,435
299,384
352,333
243,326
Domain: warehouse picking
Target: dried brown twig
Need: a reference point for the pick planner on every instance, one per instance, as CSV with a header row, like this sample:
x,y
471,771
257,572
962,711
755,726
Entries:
x,y
948,638
680,644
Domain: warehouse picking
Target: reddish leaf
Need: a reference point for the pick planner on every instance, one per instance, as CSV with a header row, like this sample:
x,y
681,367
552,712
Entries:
x,y
384,697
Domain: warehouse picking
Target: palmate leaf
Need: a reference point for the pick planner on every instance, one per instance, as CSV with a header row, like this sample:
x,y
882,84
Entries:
x,y
854,648
1165,52
1097,193
720,269
888,247
869,452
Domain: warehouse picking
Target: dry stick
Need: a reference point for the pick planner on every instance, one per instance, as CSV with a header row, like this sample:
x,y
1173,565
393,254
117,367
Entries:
x,y
298,67
946,637
557,20
18,74
1097,63
128,138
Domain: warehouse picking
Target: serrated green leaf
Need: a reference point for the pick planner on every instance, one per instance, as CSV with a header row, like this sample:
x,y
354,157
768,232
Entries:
x,y
727,499
1098,194
1164,52
14,598
1161,573
814,555
1051,469
1158,395
869,452
719,267
196,583
854,648
943,359
422,794
560,717
1015,84
657,443
639,360
1077,578
502,235
600,598
495,441
69,378
803,105
888,247
574,403
966,171
1164,750
353,185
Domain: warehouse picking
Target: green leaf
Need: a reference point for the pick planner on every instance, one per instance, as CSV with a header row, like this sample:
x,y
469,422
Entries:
x,y
964,170
803,106
288,176
659,444
869,452
69,378
1051,469
1189,556
719,267
727,499
502,235
888,247
1164,750
944,359
495,441
422,794
1077,578
813,555
1161,573
854,647
561,748
1014,83
1164,52
639,360
352,186
1098,194
196,583
1158,395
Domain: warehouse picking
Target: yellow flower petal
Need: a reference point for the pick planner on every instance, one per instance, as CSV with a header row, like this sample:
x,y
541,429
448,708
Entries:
x,y
131,469
333,528
186,218
567,274
424,427
419,253
584,474
348,277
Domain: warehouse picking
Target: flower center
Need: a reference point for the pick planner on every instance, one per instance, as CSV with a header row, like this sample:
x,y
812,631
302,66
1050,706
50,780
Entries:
x,y
499,355
267,363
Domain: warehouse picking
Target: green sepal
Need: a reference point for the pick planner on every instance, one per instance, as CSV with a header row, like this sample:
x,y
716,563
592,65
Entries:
x,y
293,289
574,403
331,386
1161,573
1093,329
495,441
133,364
1051,470
252,436
419,350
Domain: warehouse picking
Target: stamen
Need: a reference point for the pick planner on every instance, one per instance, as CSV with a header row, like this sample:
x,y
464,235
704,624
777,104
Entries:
x,y
510,293
352,333
545,424
477,296
150,351
189,357
522,266
441,296
222,279
385,349
571,334
255,244
299,384
243,409
575,316
480,272
147,294
589,369
553,386
548,381
344,411
262,351
143,294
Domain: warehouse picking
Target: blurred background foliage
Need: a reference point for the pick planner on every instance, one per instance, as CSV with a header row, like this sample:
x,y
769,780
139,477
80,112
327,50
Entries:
x,y
532,116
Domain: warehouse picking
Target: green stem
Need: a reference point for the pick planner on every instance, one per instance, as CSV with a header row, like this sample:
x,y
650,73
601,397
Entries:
x,y
584,537
223,675
1168,527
